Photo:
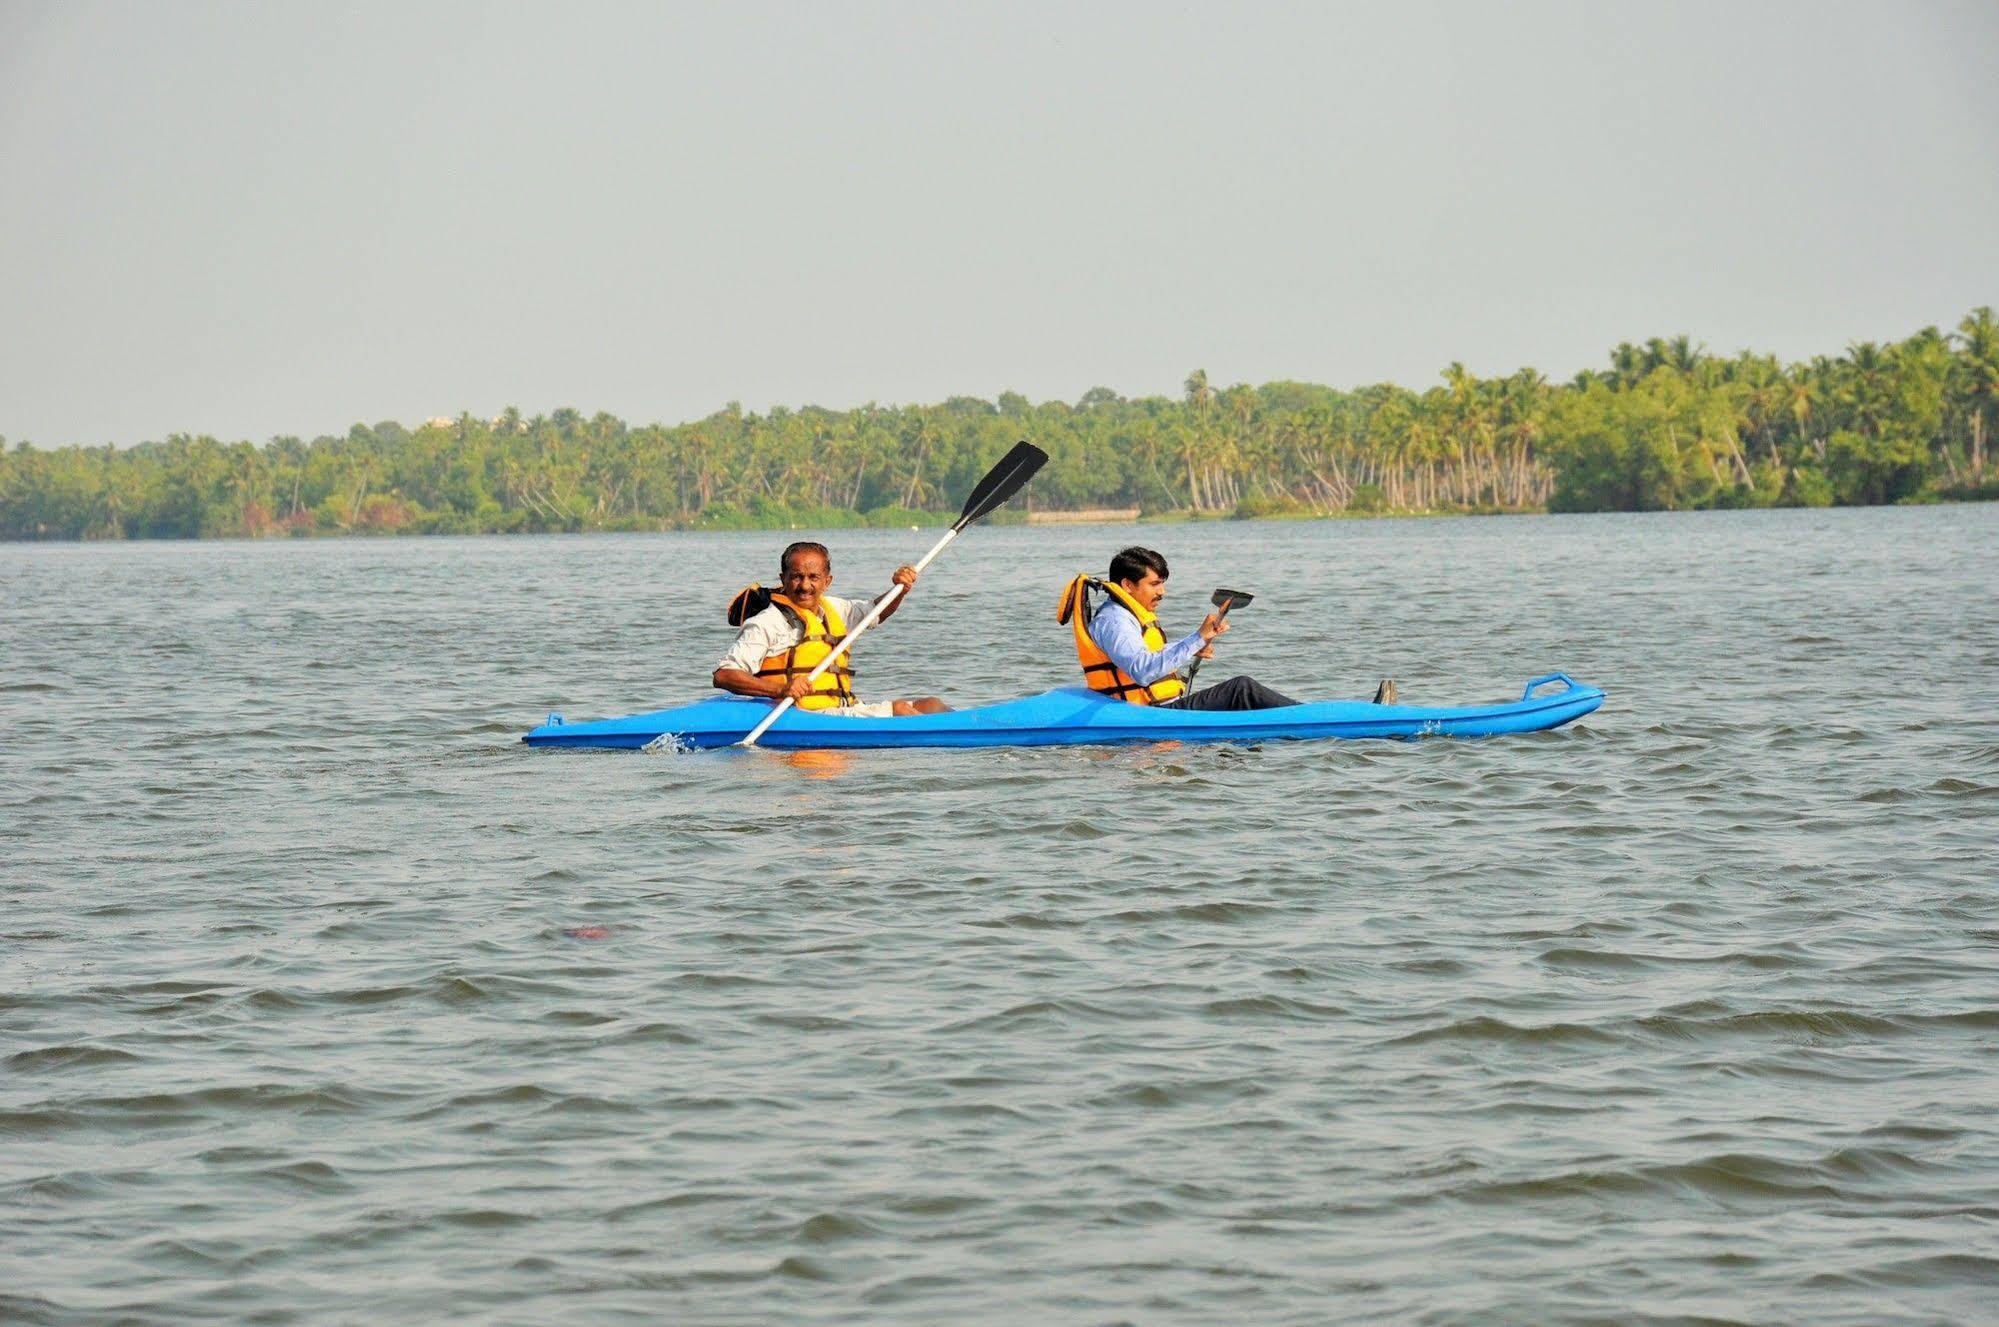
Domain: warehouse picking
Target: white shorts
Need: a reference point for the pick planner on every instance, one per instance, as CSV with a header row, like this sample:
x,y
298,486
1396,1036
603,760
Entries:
x,y
881,709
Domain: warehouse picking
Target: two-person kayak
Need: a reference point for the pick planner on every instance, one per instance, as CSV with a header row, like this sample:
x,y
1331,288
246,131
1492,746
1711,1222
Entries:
x,y
1069,716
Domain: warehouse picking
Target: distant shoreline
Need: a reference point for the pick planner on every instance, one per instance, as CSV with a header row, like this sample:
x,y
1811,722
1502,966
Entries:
x,y
932,520
1667,427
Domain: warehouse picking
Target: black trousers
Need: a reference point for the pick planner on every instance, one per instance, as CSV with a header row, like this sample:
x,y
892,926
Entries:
x,y
1238,693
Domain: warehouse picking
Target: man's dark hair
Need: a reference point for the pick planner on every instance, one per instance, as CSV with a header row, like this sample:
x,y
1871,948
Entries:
x,y
802,546
1132,563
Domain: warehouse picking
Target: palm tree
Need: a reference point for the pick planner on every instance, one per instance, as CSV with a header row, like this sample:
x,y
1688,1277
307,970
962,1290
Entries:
x,y
1978,377
1200,396
925,436
1521,413
1810,386
1683,356
1627,364
1864,386
1760,389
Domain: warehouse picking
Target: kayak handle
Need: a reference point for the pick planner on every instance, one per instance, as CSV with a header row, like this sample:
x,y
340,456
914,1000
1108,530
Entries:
x,y
1543,680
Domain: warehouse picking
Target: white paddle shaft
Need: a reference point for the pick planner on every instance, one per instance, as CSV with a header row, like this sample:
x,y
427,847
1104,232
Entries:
x,y
882,605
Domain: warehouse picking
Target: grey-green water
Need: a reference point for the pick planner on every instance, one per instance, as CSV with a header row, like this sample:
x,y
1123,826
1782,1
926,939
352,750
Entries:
x,y
1688,1012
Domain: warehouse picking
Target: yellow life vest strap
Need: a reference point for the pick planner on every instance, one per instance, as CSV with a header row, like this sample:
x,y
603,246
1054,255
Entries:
x,y
836,684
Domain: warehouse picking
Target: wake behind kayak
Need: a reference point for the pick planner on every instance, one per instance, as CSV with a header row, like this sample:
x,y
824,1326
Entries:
x,y
1070,716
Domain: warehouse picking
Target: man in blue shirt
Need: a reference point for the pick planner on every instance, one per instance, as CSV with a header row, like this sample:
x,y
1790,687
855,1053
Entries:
x,y
1141,573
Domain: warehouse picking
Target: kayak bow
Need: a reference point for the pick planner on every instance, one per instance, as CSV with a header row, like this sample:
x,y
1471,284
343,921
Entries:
x,y
1069,716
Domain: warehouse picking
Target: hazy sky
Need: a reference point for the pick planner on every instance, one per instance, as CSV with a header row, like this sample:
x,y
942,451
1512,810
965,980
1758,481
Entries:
x,y
258,219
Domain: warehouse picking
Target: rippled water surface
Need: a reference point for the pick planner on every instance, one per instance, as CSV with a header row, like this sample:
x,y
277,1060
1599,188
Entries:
x,y
323,1000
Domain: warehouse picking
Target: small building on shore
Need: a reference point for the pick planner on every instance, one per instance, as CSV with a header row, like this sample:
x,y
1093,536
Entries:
x,y
1087,516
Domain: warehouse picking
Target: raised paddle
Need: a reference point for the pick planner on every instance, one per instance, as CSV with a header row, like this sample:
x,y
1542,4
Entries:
x,y
1001,482
1224,600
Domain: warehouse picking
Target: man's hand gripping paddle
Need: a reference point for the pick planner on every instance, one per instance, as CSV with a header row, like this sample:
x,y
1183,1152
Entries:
x,y
1001,482
1224,600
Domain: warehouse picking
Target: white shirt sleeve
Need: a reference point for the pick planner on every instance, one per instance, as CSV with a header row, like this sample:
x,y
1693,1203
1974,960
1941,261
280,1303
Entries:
x,y
762,636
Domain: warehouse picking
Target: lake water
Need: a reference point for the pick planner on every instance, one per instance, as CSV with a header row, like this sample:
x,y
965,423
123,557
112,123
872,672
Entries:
x,y
1688,1012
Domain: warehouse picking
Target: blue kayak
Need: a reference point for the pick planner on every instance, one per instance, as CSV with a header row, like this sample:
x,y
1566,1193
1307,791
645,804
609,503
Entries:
x,y
1070,716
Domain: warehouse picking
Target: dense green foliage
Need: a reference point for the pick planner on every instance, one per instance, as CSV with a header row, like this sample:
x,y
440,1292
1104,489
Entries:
x,y
1666,426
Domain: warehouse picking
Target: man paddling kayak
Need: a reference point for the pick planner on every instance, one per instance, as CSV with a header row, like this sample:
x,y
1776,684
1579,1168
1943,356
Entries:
x,y
786,633
1124,652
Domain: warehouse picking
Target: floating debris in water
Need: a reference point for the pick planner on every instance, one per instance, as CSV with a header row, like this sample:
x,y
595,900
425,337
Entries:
x,y
587,932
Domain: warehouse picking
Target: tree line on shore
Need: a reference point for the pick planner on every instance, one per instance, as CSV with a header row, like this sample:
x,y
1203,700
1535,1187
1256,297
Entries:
x,y
1665,426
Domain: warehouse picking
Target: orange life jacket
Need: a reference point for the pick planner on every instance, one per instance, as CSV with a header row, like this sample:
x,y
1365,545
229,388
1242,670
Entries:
x,y
831,688
1099,673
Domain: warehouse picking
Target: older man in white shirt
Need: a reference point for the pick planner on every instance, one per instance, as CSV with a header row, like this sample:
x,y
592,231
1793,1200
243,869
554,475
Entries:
x,y
806,570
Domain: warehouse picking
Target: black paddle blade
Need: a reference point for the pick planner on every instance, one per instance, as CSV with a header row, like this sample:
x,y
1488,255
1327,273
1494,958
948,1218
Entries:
x,y
1227,599
1002,481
